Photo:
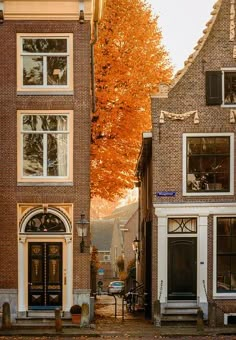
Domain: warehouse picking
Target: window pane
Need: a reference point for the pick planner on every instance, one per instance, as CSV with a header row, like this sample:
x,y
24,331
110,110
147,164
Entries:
x,y
194,164
223,226
223,264
233,281
233,263
222,182
224,244
48,45
226,263
223,282
208,164
32,70
233,244
33,155
45,123
57,155
208,145
194,145
233,226
222,145
230,87
182,225
57,71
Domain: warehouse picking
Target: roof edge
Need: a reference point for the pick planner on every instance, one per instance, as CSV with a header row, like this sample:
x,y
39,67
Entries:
x,y
200,44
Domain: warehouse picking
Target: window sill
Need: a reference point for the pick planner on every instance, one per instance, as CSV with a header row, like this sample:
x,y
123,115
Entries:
x,y
208,194
45,93
44,184
228,106
226,296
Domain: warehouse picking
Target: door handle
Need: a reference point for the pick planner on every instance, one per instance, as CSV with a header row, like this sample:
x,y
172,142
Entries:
x,y
30,283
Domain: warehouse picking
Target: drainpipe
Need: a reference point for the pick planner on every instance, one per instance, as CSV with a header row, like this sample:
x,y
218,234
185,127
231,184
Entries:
x,y
93,42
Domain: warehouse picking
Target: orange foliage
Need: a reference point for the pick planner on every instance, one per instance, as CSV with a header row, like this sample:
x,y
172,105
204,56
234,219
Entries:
x,y
130,62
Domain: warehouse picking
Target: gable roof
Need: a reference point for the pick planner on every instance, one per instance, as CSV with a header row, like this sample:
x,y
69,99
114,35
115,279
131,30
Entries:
x,y
200,44
101,233
124,212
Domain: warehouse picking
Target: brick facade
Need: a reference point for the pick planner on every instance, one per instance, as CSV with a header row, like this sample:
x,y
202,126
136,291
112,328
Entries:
x,y
75,195
170,121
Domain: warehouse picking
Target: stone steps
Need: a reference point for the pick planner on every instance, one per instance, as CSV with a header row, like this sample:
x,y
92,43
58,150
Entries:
x,y
184,312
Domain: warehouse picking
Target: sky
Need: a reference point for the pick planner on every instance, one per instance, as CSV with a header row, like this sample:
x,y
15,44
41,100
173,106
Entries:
x,y
182,23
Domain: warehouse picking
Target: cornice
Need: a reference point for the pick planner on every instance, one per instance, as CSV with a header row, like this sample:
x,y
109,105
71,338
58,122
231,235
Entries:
x,y
52,9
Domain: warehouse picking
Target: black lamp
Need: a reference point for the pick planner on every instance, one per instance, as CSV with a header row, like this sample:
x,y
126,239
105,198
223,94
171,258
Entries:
x,y
136,245
82,230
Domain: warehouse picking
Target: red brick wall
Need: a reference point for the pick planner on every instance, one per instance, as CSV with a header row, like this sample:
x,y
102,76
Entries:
x,y
10,193
188,95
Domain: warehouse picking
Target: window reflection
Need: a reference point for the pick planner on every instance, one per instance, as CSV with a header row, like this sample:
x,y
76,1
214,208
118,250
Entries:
x,y
226,254
208,164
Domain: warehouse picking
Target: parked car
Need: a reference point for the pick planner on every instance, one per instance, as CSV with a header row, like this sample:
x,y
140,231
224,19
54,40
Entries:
x,y
116,287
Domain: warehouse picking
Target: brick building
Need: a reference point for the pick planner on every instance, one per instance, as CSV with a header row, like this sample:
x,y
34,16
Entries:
x,y
45,109
192,207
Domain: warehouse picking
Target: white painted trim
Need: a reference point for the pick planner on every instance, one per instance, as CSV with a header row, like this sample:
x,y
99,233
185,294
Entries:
x,y
162,258
45,88
202,212
67,265
194,209
226,315
226,69
69,132
147,134
162,263
184,165
54,211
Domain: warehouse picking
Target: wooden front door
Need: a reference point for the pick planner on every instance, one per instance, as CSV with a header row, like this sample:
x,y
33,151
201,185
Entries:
x,y
182,268
45,275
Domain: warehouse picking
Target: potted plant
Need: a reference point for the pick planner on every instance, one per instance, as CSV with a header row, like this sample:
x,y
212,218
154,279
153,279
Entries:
x,y
75,312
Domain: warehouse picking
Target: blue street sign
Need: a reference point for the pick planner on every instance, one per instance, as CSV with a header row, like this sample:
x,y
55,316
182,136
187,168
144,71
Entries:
x,y
166,193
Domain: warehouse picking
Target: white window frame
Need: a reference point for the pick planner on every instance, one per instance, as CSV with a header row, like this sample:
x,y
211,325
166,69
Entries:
x,y
106,258
223,70
217,295
45,89
184,165
45,179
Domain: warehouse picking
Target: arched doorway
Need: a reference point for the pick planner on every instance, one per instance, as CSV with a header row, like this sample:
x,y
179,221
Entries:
x,y
45,260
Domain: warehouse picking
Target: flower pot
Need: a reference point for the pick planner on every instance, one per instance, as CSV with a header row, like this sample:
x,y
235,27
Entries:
x,y
76,318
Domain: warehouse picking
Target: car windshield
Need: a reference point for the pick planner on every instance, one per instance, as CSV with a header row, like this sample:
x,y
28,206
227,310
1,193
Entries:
x,y
117,284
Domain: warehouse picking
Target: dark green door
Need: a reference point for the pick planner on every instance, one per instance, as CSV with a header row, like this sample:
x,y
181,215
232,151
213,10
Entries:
x,y
182,268
45,275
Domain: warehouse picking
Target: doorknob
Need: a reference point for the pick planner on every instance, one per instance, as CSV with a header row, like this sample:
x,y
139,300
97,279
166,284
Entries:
x,y
30,283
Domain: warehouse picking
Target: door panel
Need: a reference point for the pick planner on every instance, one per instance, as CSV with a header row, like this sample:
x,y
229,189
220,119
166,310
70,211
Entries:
x,y
182,267
45,275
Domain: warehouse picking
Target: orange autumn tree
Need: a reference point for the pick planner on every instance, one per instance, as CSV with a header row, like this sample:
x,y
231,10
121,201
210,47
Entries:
x,y
130,62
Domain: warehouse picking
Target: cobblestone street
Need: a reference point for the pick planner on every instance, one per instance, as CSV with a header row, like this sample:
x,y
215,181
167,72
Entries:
x,y
132,326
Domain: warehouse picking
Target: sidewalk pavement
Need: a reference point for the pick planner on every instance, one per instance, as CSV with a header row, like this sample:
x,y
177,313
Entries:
x,y
135,329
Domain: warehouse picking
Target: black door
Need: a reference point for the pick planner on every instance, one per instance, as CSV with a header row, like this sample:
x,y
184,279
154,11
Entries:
x,y
45,275
182,268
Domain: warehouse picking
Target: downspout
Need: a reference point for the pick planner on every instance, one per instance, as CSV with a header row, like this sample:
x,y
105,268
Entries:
x,y
93,42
